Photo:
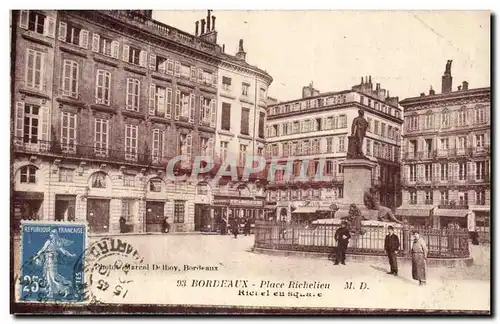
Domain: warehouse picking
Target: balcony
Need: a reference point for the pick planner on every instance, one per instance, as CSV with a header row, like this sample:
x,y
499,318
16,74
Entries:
x,y
89,152
446,153
452,205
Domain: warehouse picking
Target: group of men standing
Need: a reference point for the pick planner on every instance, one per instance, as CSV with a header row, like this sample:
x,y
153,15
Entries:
x,y
391,246
234,226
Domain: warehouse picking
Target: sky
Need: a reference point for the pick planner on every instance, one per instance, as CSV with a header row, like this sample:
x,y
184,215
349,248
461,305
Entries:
x,y
404,51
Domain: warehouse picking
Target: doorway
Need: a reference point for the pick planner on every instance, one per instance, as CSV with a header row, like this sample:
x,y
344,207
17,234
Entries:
x,y
155,214
98,215
65,208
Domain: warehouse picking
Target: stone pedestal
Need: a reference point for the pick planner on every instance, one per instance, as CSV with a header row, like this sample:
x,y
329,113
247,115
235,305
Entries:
x,y
357,180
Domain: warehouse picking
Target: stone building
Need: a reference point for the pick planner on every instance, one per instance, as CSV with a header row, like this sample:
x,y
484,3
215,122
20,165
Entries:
x,y
316,127
446,156
101,102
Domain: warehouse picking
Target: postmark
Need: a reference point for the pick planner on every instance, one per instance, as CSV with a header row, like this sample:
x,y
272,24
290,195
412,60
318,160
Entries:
x,y
49,252
107,264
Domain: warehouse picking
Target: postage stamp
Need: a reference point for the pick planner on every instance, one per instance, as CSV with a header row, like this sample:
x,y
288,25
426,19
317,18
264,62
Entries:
x,y
49,252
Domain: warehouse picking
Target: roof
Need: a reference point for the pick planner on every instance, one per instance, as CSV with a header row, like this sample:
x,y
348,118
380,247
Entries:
x,y
445,96
242,63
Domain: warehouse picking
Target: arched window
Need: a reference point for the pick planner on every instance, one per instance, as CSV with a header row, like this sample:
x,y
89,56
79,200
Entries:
x,y
98,180
155,185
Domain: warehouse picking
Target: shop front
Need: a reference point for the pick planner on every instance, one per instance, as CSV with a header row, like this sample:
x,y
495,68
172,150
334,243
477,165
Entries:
x,y
225,208
452,218
27,206
418,215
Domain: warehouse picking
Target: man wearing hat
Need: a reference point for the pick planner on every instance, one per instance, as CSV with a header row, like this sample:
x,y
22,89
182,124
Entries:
x,y
342,237
418,258
391,247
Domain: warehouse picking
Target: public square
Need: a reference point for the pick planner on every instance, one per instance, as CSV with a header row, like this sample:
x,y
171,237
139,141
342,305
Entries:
x,y
447,288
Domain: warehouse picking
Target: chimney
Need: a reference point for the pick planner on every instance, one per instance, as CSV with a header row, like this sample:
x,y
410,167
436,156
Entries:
x,y
202,26
213,22
223,48
431,92
459,88
196,28
465,85
446,79
241,55
361,80
422,94
208,20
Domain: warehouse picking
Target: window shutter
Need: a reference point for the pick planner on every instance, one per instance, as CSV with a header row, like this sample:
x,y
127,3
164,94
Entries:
x,y
95,42
189,144
125,54
49,28
210,147
152,62
214,79
213,110
84,38
152,94
200,75
192,99
23,19
115,48
450,171
156,143
63,28
19,123
43,131
169,103
177,71
162,144
193,73
201,109
177,104
170,64
280,130
143,58
128,92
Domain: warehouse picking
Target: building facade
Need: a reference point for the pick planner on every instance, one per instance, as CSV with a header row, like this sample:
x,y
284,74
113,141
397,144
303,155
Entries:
x,y
101,102
316,127
446,156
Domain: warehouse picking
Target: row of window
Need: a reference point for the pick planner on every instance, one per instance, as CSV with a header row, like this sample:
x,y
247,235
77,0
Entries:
x,y
74,34
443,143
478,170
31,127
245,88
382,129
382,150
380,106
462,198
309,125
298,194
243,152
307,104
244,121
462,117
306,147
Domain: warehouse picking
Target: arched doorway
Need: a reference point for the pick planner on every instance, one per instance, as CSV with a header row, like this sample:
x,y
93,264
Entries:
x,y
99,185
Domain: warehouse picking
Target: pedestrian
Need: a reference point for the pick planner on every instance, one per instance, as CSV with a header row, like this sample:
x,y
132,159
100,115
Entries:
x,y
391,247
166,225
234,227
342,237
123,225
248,226
418,258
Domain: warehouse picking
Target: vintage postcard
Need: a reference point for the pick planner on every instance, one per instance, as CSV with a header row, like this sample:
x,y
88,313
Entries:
x,y
250,162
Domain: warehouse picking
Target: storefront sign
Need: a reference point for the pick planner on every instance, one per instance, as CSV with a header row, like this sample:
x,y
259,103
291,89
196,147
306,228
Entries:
x,y
239,202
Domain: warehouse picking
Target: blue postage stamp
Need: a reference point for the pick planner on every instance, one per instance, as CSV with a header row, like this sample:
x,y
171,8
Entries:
x,y
50,253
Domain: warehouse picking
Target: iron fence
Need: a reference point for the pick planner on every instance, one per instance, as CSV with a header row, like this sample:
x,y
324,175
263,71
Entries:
x,y
442,243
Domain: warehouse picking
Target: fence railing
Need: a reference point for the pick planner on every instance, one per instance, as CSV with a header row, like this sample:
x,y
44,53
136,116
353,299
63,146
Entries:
x,y
442,243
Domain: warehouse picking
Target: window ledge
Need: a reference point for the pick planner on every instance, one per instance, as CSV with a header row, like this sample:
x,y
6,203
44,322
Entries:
x,y
34,93
225,132
106,60
73,49
37,38
135,69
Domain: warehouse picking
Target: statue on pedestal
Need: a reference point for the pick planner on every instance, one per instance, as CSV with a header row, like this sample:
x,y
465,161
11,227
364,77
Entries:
x,y
358,132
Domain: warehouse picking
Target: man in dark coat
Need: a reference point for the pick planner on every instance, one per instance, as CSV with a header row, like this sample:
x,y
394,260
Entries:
x,y
234,226
391,247
342,237
248,226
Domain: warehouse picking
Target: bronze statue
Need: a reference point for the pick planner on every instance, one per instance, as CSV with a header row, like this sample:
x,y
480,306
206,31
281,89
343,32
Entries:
x,y
372,202
358,131
241,46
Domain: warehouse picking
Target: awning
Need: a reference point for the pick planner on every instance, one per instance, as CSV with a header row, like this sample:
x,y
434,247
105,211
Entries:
x,y
28,195
304,210
451,212
324,209
414,211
